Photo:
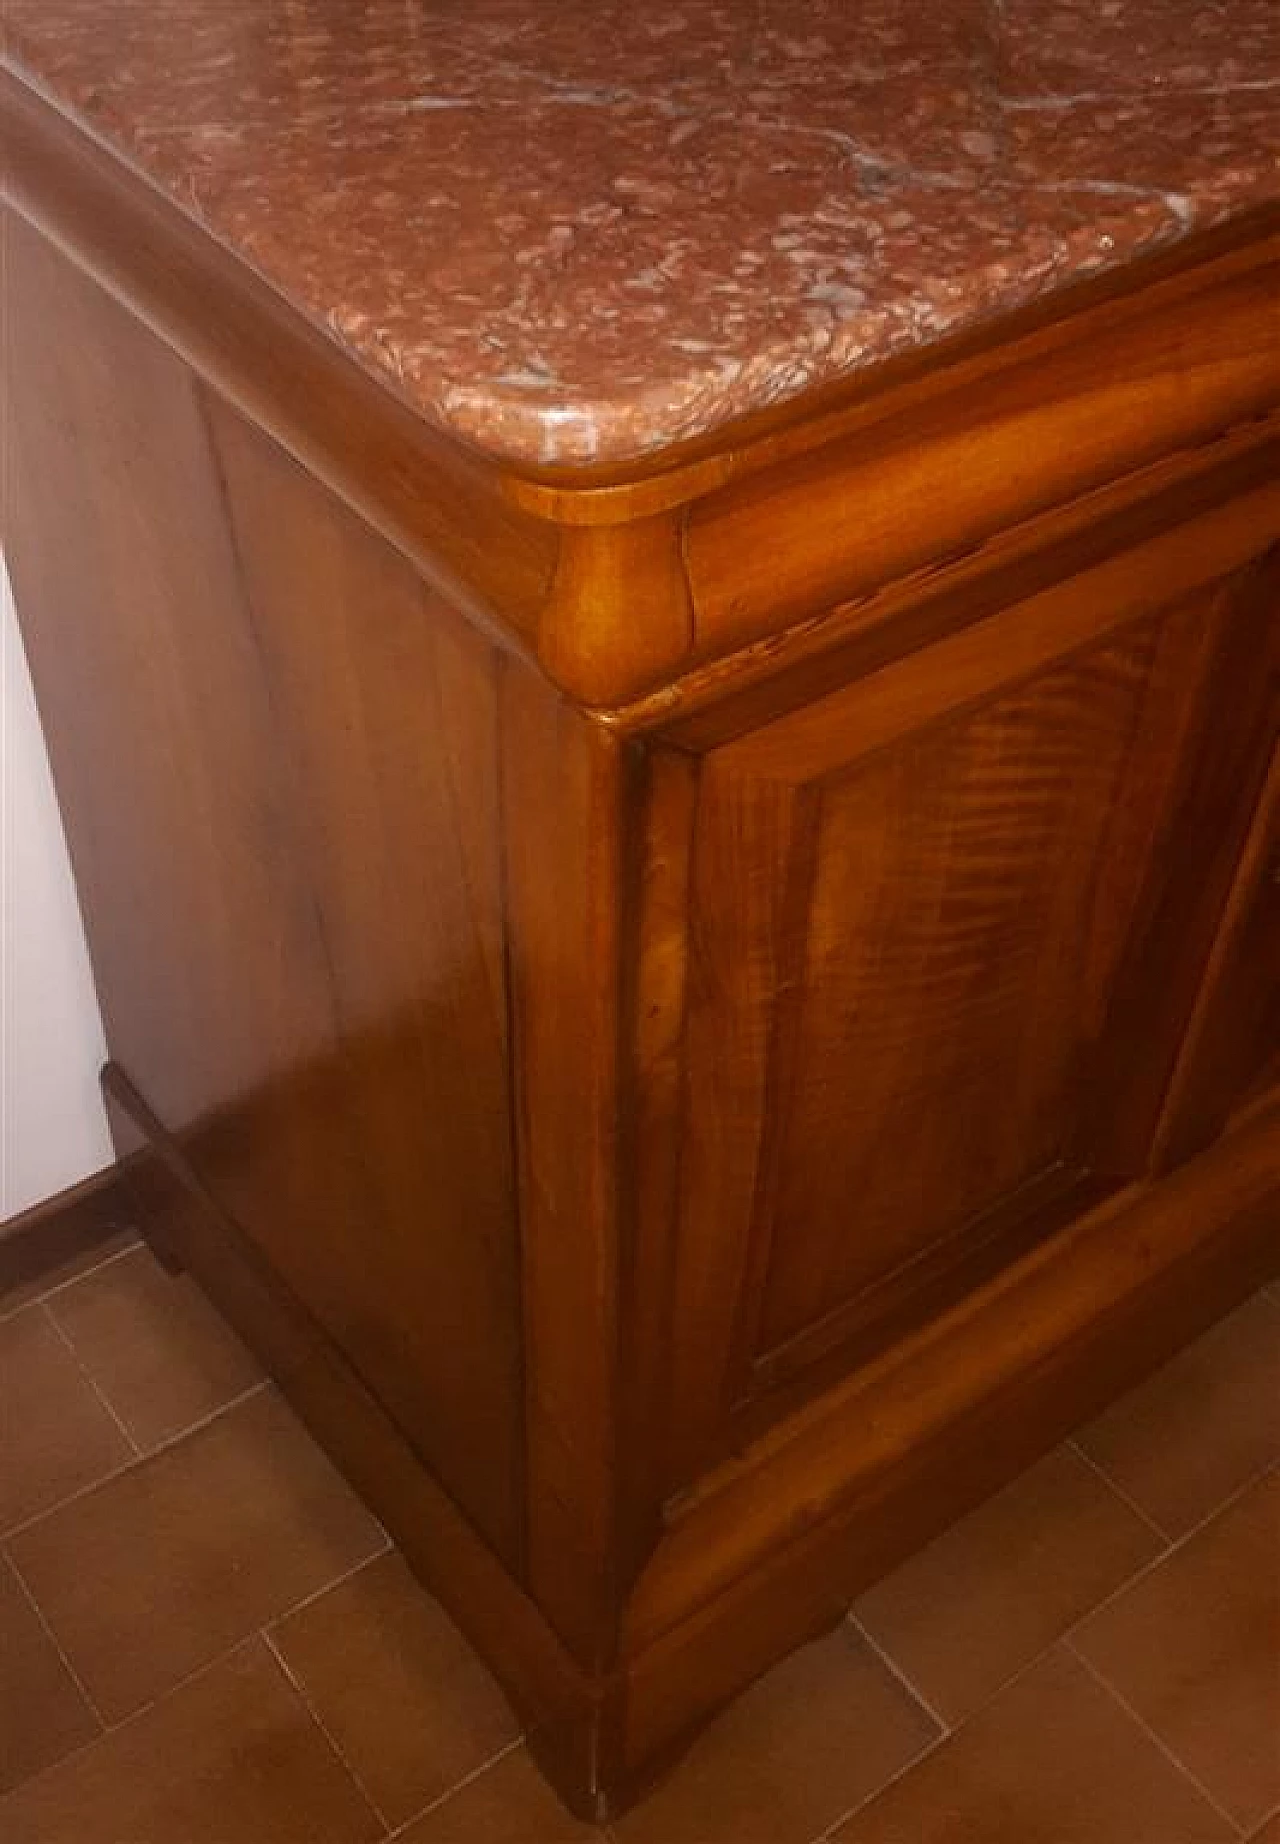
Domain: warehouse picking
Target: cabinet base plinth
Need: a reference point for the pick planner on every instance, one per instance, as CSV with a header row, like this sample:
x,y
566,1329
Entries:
x,y
1061,1335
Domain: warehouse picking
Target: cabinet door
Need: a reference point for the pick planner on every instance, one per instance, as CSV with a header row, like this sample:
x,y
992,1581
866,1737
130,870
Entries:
x,y
946,929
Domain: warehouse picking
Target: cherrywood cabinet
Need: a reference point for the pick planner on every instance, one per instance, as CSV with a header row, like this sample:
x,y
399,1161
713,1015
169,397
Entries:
x,y
697,1018
932,922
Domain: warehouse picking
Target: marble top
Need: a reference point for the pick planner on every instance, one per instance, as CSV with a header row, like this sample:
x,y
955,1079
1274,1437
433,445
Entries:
x,y
578,231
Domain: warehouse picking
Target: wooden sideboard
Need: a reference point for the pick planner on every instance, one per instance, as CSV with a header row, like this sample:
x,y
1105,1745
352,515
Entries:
x,y
698,1018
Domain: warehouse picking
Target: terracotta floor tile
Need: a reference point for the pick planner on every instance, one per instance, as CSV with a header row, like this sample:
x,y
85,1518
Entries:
x,y
1051,1760
20,1290
154,1345
55,1435
995,1590
163,1567
230,1758
819,1733
1194,1647
1202,1427
42,1714
1270,1832
510,1803
393,1681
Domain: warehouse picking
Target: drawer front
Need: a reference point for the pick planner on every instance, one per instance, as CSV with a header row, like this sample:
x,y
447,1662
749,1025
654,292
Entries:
x,y
976,455
945,932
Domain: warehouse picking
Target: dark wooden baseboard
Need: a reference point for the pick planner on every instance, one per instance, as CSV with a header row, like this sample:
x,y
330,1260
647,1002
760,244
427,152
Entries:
x,y
59,1233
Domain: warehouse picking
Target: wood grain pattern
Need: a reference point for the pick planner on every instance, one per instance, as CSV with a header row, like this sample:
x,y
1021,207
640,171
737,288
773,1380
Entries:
x,y
389,742
1067,1327
562,802
925,1008
292,892
946,962
700,1017
948,476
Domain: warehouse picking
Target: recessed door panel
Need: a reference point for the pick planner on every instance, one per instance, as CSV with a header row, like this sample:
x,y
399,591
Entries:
x,y
953,960
934,1001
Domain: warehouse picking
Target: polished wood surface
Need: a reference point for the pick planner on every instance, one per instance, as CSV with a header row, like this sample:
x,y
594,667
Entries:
x,y
697,1019
321,1001
921,943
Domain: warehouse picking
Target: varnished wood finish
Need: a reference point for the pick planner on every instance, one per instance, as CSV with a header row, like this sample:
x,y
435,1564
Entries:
x,y
931,998
938,478
914,1439
322,978
701,1017
563,788
173,1206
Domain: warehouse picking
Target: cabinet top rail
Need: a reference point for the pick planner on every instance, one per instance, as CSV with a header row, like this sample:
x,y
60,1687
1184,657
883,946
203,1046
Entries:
x,y
583,233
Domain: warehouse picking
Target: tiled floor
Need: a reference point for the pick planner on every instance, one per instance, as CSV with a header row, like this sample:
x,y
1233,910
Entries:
x,y
205,1638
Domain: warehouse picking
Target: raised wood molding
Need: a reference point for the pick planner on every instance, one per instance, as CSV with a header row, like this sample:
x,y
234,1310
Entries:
x,y
917,482
1149,369
1035,1323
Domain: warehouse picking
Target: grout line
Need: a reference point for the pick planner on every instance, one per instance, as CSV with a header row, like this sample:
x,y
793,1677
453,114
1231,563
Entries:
x,y
506,1749
860,1805
129,1466
113,1728
296,1607
892,1665
89,1377
291,1678
1105,1685
7,1561
73,1280
108,1261
188,1677
1065,1639
1068,1633
1179,1543
224,1408
1166,1537
60,1504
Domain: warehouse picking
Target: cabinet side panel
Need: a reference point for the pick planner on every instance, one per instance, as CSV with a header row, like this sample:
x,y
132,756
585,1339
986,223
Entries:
x,y
276,754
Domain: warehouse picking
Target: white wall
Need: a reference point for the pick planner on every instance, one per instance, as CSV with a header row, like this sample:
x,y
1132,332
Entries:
x,y
52,1128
